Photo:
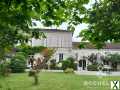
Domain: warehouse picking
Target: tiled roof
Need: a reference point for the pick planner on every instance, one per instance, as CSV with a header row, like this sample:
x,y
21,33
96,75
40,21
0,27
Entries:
x,y
52,30
91,46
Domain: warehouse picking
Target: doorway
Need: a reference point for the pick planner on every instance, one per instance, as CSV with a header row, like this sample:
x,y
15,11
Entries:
x,y
82,64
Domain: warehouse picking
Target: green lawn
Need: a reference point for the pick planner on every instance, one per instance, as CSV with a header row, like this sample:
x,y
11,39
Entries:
x,y
54,81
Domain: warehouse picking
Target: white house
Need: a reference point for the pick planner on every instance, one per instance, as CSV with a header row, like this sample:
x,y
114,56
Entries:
x,y
61,41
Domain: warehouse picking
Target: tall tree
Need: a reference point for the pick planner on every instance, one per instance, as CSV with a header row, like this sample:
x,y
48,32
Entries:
x,y
16,15
104,23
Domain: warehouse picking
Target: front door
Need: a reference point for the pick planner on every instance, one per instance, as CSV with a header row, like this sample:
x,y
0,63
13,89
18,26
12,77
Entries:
x,y
82,64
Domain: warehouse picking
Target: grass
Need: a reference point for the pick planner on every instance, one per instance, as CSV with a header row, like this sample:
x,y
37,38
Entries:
x,y
55,81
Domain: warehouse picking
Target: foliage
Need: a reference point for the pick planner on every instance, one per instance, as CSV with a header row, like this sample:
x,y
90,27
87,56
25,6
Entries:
x,y
104,20
60,81
47,53
93,67
69,70
68,63
93,58
53,64
4,68
28,50
81,45
16,17
59,66
18,63
114,58
33,73
65,64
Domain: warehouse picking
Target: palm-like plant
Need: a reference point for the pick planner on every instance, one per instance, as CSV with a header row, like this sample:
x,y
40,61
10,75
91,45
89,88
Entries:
x,y
114,59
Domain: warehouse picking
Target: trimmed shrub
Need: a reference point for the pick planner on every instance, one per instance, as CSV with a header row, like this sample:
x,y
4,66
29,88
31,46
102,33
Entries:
x,y
59,66
65,64
53,64
75,66
69,63
69,70
92,67
18,63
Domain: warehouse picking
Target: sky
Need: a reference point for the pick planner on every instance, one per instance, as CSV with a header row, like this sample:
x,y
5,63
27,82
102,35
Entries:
x,y
78,28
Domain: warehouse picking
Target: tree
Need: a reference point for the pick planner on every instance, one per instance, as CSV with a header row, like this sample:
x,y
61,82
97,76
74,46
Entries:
x,y
93,58
16,16
29,50
104,20
114,59
47,53
18,63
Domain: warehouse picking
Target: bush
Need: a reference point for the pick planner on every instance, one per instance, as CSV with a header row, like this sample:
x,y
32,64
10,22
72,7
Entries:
x,y
4,68
59,66
53,64
92,67
69,70
65,64
18,63
69,63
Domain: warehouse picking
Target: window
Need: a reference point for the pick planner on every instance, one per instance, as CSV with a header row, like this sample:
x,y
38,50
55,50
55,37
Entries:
x,y
80,63
60,56
105,62
34,24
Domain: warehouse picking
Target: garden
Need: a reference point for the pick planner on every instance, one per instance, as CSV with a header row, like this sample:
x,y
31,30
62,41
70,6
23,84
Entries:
x,y
55,81
16,16
14,77
110,59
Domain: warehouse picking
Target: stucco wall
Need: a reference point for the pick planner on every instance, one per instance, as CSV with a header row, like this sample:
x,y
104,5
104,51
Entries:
x,y
87,52
55,39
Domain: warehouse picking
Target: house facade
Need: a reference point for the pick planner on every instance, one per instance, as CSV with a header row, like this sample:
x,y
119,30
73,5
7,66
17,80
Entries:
x,y
61,41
